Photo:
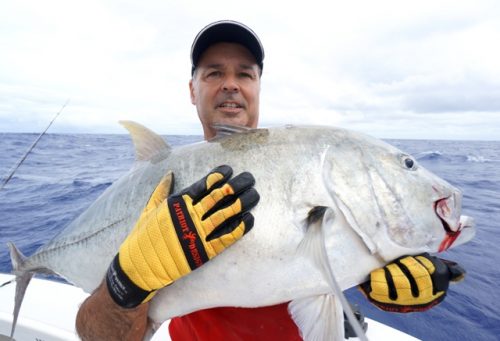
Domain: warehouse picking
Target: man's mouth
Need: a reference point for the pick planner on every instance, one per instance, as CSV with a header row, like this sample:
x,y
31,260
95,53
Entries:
x,y
230,105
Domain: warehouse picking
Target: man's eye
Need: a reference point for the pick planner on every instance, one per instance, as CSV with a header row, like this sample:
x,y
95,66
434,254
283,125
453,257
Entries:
x,y
214,74
246,75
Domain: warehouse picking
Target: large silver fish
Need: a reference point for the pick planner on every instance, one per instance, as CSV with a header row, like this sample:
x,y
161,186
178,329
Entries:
x,y
334,203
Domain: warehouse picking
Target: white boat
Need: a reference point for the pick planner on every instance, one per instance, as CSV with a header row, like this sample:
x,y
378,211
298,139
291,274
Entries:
x,y
49,309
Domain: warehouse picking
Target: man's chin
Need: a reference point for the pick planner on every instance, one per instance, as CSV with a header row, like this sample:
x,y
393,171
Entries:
x,y
235,120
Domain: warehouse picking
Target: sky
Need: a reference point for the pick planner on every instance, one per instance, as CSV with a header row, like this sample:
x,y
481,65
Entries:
x,y
392,69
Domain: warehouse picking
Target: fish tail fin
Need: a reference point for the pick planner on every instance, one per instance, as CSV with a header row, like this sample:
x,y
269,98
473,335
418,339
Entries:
x,y
23,278
16,257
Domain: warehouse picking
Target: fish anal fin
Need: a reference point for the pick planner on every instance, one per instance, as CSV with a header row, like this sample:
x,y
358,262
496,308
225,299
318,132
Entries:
x,y
318,317
149,146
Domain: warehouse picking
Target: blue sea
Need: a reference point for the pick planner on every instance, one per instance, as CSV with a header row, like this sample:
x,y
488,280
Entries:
x,y
65,173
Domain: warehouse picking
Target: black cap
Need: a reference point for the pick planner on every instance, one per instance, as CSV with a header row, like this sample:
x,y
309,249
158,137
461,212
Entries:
x,y
226,31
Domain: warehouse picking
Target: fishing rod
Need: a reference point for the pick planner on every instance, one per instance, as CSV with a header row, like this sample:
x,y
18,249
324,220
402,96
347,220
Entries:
x,y
7,179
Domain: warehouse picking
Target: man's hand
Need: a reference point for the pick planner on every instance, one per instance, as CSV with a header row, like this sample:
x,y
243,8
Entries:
x,y
411,284
178,234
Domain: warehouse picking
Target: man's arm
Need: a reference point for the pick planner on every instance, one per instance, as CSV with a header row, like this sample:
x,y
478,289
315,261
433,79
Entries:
x,y
207,217
100,318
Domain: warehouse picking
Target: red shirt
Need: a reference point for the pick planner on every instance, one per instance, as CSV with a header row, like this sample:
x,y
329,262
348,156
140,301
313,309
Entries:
x,y
228,323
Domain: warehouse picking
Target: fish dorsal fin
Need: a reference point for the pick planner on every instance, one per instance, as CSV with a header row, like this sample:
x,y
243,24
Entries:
x,y
149,146
228,129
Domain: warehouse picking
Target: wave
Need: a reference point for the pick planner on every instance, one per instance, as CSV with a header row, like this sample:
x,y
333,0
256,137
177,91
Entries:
x,y
479,159
439,156
429,155
78,189
91,184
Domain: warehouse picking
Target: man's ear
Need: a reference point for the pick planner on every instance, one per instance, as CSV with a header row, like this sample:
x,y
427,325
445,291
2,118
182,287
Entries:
x,y
191,92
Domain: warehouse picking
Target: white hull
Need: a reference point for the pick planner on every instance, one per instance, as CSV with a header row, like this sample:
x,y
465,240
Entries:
x,y
49,309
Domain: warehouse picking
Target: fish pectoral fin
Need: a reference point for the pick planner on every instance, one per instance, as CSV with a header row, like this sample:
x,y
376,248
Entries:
x,y
325,310
316,214
318,317
149,146
318,218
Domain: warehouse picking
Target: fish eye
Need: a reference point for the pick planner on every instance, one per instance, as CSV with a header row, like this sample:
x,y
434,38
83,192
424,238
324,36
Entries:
x,y
408,162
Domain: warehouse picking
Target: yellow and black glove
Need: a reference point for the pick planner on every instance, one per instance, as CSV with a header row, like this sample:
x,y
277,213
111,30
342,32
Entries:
x,y
178,234
411,283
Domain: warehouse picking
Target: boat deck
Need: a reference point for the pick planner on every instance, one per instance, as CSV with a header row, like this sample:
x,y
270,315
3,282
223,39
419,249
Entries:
x,y
49,309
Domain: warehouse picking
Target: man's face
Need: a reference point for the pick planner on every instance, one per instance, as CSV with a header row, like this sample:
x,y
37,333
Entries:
x,y
225,87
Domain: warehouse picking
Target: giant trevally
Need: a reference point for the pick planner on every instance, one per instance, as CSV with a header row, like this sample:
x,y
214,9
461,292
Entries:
x,y
334,203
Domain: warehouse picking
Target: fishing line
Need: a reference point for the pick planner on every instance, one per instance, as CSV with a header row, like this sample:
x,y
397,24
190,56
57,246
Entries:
x,y
337,291
7,179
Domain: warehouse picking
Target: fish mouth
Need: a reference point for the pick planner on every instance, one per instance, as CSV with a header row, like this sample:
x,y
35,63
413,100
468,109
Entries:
x,y
448,212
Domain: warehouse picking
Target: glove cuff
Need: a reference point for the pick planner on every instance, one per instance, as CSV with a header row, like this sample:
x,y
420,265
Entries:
x,y
121,289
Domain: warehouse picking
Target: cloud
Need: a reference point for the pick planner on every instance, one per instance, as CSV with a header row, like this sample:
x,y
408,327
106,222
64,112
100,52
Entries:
x,y
388,68
458,95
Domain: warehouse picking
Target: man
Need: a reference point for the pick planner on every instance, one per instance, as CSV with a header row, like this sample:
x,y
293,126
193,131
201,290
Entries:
x,y
227,63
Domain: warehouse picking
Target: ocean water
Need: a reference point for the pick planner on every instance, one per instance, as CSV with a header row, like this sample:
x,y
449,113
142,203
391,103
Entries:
x,y
65,173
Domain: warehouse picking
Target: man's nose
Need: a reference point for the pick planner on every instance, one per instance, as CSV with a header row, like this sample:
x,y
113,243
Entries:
x,y
230,84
